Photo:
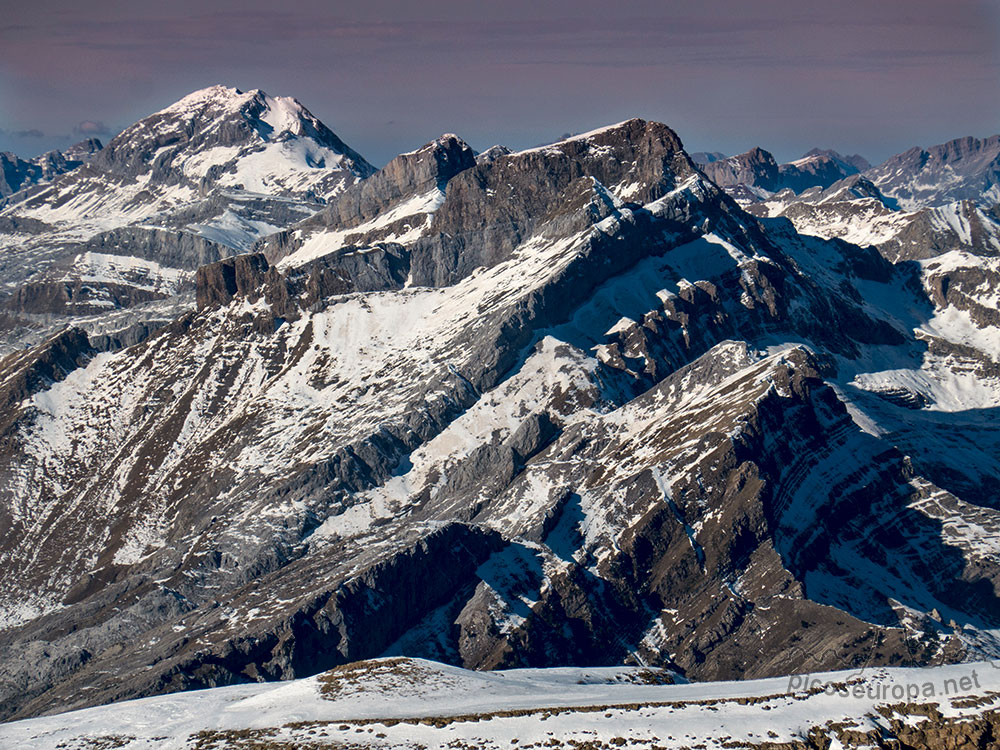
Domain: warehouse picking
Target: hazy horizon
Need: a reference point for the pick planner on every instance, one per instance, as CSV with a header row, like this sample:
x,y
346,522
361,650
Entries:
x,y
387,76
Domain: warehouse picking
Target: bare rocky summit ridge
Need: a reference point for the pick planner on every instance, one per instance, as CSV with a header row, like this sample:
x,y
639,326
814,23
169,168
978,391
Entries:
x,y
756,168
568,405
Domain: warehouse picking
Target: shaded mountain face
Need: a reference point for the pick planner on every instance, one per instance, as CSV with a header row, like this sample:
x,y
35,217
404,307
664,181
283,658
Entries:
x,y
753,171
815,169
198,181
569,405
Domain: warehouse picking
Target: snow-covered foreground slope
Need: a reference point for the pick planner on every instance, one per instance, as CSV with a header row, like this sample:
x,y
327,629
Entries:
x,y
411,703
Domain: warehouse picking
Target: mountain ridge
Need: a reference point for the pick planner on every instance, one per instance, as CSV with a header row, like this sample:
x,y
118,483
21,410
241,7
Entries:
x,y
571,404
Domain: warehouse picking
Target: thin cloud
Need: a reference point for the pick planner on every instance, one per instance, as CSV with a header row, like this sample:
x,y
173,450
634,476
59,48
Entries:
x,y
89,128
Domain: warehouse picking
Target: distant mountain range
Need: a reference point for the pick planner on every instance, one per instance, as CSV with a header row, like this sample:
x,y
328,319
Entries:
x,y
268,410
19,174
962,169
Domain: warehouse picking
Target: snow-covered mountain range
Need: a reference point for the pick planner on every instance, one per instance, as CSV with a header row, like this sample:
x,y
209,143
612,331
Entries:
x,y
962,169
196,182
268,410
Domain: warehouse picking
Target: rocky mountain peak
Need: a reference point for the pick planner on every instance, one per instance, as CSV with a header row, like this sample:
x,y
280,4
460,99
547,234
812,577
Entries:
x,y
423,172
706,157
635,134
464,212
854,186
85,148
215,126
436,162
961,149
754,168
815,170
755,174
857,161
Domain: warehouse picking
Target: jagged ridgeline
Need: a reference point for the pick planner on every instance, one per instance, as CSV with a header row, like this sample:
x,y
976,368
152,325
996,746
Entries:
x,y
564,406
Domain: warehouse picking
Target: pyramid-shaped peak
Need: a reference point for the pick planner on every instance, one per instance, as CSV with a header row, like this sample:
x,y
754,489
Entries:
x,y
446,141
632,124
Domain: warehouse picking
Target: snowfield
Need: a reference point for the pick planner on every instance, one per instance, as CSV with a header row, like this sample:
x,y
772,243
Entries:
x,y
413,703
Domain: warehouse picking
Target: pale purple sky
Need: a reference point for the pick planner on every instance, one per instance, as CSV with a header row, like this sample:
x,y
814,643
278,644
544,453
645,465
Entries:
x,y
868,76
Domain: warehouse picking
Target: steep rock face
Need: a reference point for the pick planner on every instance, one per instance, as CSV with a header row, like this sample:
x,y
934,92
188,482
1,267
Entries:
x,y
426,169
962,169
76,297
379,593
454,215
35,370
491,208
172,249
219,283
755,168
392,205
815,169
706,157
15,172
55,163
588,410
